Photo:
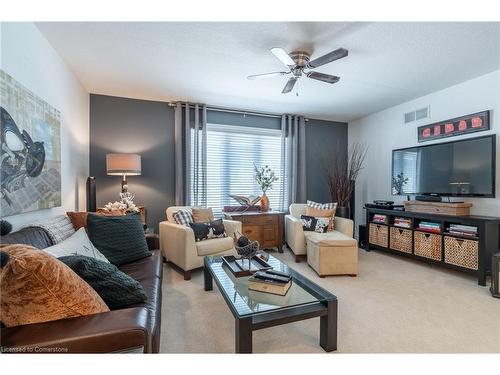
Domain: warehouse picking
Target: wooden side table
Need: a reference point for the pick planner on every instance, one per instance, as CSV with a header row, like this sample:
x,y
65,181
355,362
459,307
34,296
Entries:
x,y
265,227
153,240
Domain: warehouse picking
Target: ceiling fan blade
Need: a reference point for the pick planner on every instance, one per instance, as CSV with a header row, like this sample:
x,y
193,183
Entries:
x,y
329,57
284,57
267,75
289,85
323,77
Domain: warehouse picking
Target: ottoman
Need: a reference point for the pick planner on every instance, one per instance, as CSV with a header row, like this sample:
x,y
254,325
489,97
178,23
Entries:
x,y
332,253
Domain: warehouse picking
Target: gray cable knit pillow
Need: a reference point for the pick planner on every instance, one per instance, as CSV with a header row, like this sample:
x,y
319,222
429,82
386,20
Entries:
x,y
116,288
120,239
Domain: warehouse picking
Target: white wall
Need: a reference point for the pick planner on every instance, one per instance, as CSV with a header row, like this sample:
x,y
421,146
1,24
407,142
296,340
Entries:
x,y
29,58
384,131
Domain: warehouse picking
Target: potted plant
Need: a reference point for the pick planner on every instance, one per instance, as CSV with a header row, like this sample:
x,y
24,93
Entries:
x,y
265,178
342,170
398,183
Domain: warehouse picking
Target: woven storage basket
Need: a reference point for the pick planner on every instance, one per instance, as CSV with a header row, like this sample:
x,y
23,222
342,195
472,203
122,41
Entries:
x,y
461,252
428,245
401,239
379,235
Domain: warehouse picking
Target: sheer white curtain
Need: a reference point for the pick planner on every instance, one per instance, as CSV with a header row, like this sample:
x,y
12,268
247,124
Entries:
x,y
190,154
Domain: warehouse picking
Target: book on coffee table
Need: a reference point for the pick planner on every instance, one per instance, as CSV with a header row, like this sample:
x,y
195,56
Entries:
x,y
270,283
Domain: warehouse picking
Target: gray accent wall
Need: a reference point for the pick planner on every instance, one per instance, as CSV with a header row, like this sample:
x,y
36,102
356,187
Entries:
x,y
123,125
322,137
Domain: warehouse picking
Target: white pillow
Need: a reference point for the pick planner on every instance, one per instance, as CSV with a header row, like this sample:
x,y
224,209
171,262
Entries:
x,y
77,244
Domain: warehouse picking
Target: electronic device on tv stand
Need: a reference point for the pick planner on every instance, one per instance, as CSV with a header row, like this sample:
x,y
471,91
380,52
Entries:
x,y
384,205
428,198
383,202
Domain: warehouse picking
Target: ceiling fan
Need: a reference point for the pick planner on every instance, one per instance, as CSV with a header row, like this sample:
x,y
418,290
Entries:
x,y
298,61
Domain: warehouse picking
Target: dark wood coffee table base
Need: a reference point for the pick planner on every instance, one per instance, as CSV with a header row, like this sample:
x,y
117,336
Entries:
x,y
244,326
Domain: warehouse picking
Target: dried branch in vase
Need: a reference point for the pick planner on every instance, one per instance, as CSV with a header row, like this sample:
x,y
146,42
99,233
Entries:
x,y
342,170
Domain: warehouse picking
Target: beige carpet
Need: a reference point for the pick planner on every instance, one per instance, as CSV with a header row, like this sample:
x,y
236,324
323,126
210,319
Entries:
x,y
395,305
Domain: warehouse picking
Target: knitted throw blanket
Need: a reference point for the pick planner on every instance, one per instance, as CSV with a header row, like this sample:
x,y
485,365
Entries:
x,y
58,227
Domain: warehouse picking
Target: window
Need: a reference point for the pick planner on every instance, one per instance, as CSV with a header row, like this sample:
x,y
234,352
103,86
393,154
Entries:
x,y
231,154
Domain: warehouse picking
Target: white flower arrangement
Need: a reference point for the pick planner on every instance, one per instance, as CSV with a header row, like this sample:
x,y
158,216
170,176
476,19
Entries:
x,y
265,177
126,204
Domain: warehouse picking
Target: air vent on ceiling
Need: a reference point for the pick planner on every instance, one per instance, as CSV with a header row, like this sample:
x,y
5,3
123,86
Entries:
x,y
416,115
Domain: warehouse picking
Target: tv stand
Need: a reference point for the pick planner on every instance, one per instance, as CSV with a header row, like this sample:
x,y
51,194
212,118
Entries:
x,y
471,254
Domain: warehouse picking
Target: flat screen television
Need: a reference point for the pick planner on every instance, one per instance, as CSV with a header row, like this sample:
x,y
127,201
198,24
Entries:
x,y
463,168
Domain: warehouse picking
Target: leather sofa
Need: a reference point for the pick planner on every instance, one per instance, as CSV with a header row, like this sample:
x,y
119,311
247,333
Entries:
x,y
179,246
132,329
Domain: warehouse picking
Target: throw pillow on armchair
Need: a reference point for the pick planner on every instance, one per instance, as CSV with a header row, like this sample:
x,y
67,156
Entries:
x,y
202,215
318,210
315,224
207,231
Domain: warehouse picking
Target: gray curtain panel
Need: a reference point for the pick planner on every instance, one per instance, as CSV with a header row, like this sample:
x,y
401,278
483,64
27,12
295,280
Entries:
x,y
190,154
293,145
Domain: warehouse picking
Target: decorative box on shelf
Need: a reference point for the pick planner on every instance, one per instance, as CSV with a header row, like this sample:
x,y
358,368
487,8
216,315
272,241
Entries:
x,y
378,234
440,208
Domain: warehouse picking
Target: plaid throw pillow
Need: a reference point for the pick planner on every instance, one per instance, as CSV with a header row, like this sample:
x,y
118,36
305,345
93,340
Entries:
x,y
183,217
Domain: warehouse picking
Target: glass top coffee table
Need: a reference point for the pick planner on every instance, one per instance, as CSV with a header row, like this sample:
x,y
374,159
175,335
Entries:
x,y
255,310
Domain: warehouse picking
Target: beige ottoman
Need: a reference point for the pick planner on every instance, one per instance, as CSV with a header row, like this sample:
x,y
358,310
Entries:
x,y
332,253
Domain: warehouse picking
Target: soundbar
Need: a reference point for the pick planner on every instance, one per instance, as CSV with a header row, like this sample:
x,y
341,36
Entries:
x,y
428,198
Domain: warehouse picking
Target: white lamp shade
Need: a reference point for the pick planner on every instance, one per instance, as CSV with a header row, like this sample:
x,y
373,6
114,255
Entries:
x,y
123,164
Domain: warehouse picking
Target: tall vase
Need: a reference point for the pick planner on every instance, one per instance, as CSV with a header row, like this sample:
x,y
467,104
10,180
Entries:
x,y
343,211
264,203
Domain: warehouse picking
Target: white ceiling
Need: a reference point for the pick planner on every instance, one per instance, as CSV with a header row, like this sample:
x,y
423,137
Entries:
x,y
388,63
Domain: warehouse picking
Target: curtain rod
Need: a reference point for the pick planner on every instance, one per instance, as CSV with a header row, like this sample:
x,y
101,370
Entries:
x,y
227,110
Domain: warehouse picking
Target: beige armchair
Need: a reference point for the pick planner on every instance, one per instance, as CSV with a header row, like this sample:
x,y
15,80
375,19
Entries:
x,y
294,234
178,245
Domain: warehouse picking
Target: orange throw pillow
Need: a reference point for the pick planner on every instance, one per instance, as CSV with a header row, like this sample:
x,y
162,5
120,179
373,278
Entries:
x,y
316,212
36,287
79,219
202,215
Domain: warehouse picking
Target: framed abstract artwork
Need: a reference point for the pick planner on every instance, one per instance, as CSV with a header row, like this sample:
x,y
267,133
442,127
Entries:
x,y
30,150
475,122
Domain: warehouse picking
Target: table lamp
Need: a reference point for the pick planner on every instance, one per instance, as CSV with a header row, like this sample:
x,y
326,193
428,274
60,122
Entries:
x,y
123,165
